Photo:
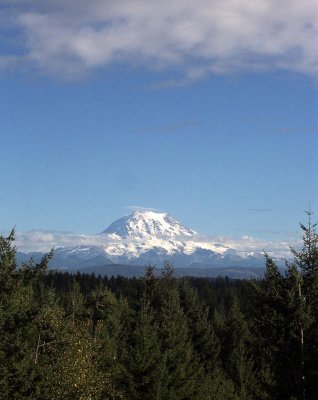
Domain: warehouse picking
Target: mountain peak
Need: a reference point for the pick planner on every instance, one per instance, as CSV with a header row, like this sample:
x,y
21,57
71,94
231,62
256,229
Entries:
x,y
146,223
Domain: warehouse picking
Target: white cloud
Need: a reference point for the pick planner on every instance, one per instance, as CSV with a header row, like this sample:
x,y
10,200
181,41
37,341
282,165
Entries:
x,y
195,38
44,241
275,248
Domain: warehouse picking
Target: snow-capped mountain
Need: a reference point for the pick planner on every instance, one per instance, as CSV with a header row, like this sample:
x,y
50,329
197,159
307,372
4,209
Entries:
x,y
148,237
145,237
146,224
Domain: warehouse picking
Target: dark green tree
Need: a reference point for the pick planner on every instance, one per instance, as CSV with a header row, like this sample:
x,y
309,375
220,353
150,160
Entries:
x,y
303,278
145,366
237,356
183,374
286,323
20,376
205,342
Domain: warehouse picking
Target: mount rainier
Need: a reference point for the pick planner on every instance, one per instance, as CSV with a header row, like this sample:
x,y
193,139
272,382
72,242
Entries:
x,y
147,224
149,238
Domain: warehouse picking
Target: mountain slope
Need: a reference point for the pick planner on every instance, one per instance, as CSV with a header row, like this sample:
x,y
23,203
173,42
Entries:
x,y
145,237
145,224
148,237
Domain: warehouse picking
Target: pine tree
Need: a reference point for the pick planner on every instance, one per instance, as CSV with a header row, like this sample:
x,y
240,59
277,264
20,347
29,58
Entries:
x,y
205,342
286,321
183,377
110,320
20,377
305,273
145,365
236,355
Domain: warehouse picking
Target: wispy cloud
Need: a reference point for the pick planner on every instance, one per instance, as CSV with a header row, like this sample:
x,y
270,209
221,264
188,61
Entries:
x,y
177,127
298,131
8,61
70,38
141,208
261,210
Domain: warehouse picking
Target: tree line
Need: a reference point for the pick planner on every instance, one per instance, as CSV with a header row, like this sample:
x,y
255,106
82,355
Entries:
x,y
77,336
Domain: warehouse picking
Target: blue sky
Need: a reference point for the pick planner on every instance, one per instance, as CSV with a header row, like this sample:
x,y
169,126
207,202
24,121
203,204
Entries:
x,y
104,109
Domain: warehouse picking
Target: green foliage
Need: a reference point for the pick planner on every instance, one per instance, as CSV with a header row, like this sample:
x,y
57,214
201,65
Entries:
x,y
80,336
286,315
145,365
205,342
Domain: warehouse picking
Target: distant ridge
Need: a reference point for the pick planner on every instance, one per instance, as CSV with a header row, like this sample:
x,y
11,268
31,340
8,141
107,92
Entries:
x,y
130,271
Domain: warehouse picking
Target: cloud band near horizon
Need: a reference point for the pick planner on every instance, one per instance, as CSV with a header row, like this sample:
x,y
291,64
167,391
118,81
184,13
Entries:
x,y
44,241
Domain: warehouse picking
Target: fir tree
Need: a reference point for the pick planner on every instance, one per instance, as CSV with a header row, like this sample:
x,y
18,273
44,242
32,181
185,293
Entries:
x,y
305,274
145,365
237,360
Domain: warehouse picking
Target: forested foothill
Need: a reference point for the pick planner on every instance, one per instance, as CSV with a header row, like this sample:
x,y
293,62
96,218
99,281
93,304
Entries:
x,y
78,336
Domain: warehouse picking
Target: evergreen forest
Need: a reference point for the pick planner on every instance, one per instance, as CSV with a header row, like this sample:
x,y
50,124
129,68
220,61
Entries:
x,y
79,336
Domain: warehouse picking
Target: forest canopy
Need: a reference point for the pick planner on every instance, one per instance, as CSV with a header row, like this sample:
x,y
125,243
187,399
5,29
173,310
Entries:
x,y
79,336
